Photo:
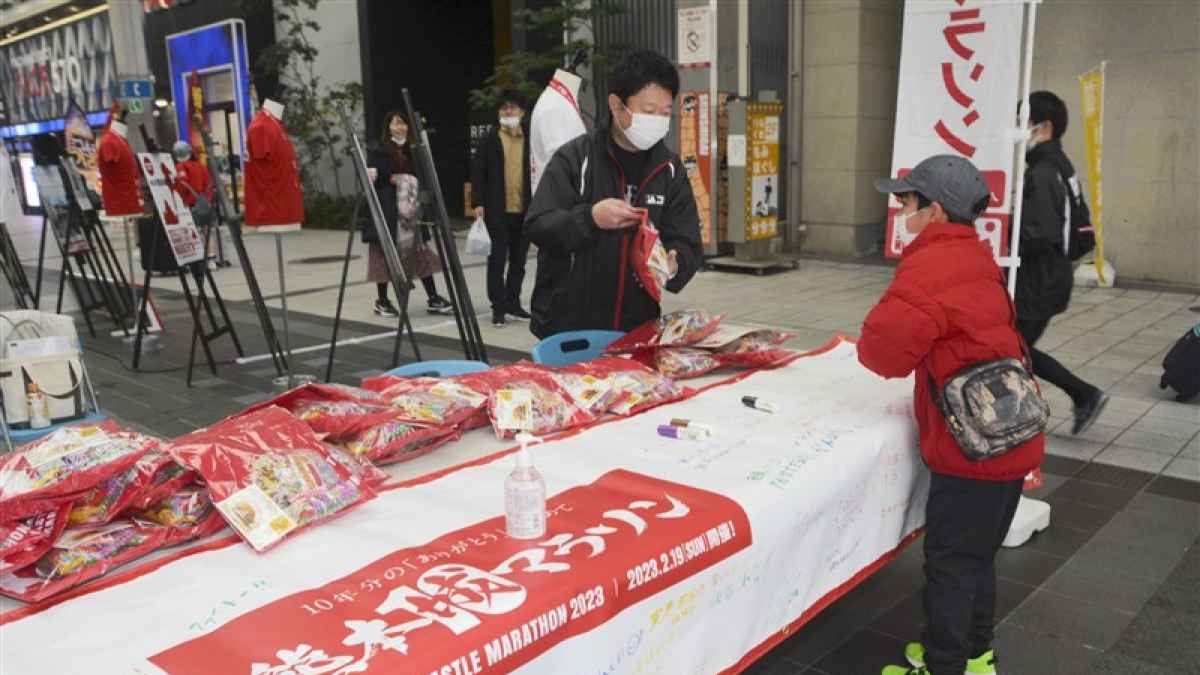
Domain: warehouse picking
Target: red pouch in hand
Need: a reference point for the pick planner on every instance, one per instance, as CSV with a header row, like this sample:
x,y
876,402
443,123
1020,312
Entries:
x,y
651,262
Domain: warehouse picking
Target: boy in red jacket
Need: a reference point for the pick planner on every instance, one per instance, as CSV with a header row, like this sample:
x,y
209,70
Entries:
x,y
947,309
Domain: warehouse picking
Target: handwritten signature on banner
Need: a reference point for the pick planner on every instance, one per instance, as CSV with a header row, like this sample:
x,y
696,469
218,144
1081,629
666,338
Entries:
x,y
500,601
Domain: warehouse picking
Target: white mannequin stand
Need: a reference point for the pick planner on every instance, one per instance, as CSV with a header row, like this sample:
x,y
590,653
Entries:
x,y
150,341
291,379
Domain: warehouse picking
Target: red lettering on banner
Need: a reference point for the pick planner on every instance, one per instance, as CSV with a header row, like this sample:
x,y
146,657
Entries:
x,y
960,146
976,72
953,32
489,606
952,87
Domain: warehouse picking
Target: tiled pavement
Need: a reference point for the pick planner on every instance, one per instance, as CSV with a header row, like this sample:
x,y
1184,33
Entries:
x,y
1112,587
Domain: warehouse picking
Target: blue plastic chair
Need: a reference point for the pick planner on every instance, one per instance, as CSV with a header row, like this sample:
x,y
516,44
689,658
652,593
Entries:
x,y
575,346
438,368
20,437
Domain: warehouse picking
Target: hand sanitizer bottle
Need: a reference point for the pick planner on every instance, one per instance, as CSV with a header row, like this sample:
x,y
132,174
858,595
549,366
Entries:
x,y
39,410
525,496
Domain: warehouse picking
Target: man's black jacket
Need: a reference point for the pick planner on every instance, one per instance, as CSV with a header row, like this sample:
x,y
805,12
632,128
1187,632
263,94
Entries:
x,y
585,275
1045,277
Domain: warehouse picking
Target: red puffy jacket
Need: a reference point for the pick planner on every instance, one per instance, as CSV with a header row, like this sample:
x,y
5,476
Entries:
x,y
945,310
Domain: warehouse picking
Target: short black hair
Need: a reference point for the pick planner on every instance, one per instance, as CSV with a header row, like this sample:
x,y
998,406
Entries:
x,y
510,96
1043,106
639,69
978,207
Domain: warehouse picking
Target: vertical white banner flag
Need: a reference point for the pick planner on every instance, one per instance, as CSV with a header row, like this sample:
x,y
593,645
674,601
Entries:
x,y
960,66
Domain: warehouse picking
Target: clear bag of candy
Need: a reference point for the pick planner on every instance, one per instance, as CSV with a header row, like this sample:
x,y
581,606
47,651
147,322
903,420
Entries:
x,y
269,474
531,400
337,410
441,402
396,441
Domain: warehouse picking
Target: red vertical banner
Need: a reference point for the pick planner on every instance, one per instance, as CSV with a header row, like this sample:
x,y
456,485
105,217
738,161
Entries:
x,y
476,601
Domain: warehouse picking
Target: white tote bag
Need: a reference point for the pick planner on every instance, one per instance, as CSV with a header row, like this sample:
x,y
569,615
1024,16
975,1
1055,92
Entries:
x,y
479,242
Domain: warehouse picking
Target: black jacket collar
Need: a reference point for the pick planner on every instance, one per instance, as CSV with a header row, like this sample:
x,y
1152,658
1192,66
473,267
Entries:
x,y
657,154
1043,151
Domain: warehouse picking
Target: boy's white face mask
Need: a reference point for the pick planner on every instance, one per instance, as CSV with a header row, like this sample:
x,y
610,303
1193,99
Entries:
x,y
901,229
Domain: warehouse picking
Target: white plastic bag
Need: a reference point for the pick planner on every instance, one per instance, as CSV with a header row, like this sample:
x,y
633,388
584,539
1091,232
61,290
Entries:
x,y
478,240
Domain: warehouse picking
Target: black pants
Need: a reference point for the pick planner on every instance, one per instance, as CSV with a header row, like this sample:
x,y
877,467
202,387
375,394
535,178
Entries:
x,y
509,247
1049,369
965,522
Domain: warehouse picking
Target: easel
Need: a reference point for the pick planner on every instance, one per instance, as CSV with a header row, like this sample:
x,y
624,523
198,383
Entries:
x,y
10,263
399,278
456,283
234,223
200,273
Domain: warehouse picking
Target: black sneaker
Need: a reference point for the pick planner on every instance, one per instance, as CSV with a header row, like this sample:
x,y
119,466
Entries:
x,y
517,312
439,305
385,309
498,320
1088,412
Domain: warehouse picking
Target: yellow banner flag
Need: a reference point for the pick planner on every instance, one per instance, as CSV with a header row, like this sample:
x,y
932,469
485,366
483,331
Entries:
x,y
1091,89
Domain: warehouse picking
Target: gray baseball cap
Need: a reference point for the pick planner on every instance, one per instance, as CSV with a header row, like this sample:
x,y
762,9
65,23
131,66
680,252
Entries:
x,y
949,180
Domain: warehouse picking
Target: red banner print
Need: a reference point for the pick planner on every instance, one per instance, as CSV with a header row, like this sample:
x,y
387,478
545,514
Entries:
x,y
475,601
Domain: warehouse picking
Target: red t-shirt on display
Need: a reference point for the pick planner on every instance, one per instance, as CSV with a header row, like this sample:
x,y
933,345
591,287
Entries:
x,y
196,176
273,195
118,176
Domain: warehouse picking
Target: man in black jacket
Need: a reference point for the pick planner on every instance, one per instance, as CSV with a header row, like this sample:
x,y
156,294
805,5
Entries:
x,y
584,215
500,190
1046,276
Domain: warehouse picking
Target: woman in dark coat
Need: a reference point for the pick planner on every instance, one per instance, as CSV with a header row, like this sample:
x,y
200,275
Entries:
x,y
396,186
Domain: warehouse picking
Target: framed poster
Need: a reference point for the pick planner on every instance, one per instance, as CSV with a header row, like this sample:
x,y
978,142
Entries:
x,y
176,218
762,169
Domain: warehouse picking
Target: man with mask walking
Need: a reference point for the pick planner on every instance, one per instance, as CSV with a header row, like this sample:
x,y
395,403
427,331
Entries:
x,y
591,198
1046,277
500,190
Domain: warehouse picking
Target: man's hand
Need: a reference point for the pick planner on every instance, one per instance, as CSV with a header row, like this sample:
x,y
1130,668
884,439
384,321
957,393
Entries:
x,y
673,263
614,214
478,211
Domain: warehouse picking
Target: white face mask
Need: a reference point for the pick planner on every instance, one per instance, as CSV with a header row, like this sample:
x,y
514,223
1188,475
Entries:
x,y
646,130
399,140
901,229
510,121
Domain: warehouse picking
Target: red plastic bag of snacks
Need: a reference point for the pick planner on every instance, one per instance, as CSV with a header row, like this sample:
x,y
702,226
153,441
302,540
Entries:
x,y
593,393
114,495
441,402
747,347
337,410
361,467
677,329
681,363
52,469
528,398
80,555
651,262
636,385
169,480
269,474
22,542
396,441
188,514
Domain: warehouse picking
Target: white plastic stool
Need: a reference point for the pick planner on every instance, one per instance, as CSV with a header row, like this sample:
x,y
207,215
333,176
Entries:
x,y
1032,516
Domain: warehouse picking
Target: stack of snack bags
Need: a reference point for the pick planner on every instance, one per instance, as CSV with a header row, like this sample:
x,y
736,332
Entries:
x,y
74,503
631,386
362,424
692,343
526,397
270,475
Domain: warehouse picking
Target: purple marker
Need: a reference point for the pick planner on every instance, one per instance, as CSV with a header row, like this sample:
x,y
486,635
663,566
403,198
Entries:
x,y
681,433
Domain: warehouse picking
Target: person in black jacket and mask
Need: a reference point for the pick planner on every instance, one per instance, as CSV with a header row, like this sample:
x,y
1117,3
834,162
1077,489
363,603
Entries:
x,y
584,215
1046,276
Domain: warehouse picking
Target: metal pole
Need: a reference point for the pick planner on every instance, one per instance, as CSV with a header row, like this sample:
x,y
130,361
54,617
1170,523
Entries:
x,y
1013,261
287,334
714,178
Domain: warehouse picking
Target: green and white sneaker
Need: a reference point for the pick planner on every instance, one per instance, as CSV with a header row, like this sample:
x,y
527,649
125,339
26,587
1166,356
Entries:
x,y
984,664
903,670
